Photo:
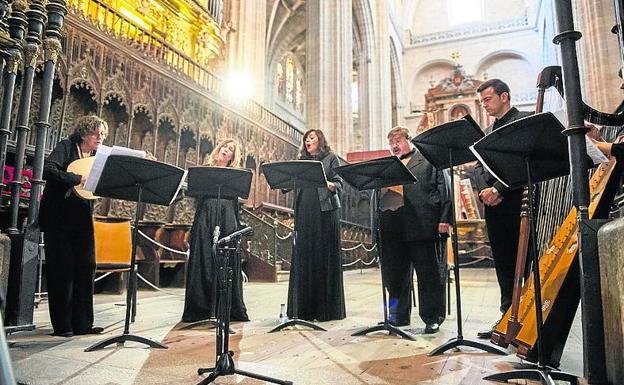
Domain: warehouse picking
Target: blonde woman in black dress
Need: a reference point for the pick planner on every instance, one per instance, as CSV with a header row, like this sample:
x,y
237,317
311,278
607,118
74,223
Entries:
x,y
201,278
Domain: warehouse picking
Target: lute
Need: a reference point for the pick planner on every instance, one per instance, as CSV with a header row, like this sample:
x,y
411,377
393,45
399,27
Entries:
x,y
82,167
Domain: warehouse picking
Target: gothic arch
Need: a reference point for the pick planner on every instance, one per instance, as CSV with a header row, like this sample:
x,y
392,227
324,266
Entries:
x,y
363,19
82,74
142,101
116,86
286,22
169,111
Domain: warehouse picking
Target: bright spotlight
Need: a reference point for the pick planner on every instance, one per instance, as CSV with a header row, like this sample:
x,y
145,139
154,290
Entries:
x,y
238,86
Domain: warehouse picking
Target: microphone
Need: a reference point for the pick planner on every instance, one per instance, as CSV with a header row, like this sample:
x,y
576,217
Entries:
x,y
235,235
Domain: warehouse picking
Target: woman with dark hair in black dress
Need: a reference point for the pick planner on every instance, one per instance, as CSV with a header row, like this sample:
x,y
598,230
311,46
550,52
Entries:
x,y
315,290
201,276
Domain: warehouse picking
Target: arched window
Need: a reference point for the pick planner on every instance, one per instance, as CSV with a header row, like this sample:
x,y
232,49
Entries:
x,y
289,78
299,93
279,79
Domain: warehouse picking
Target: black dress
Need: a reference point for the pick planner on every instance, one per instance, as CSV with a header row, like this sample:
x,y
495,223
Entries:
x,y
315,290
67,223
200,301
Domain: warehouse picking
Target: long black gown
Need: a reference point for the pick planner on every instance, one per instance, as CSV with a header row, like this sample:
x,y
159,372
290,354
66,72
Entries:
x,y
67,224
200,301
315,290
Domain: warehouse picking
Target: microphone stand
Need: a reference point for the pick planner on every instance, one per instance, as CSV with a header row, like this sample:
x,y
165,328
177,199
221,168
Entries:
x,y
224,363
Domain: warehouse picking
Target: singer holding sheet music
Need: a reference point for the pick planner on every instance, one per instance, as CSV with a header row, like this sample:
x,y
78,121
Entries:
x,y
67,223
315,290
201,275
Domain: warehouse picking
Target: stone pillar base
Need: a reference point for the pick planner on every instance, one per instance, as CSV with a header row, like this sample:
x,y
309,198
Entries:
x,y
611,252
5,257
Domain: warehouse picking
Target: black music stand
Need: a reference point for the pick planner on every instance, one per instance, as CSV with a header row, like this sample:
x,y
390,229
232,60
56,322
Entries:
x,y
446,146
377,174
143,181
219,183
521,153
295,174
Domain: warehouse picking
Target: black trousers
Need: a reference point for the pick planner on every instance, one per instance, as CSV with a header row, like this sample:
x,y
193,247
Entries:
x,y
70,272
503,231
400,257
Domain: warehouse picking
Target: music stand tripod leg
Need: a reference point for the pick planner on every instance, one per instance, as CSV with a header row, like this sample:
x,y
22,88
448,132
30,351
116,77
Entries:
x,y
294,322
459,340
545,375
130,296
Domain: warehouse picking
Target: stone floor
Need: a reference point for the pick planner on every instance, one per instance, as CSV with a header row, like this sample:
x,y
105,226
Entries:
x,y
298,355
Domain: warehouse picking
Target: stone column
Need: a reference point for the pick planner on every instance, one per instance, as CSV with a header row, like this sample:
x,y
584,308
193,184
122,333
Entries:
x,y
329,62
246,42
383,99
599,54
374,75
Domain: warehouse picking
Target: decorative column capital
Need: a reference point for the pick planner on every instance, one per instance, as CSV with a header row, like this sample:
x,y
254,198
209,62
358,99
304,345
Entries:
x,y
51,49
14,61
31,54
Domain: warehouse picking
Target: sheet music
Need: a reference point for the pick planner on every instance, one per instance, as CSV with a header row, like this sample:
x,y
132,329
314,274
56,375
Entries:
x,y
594,152
101,156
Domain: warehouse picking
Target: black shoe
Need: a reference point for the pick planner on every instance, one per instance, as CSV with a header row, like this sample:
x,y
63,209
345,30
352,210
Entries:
x,y
485,334
64,334
91,330
432,328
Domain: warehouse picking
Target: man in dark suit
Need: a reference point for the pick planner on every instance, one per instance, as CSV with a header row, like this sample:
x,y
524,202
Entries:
x,y
411,228
502,205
